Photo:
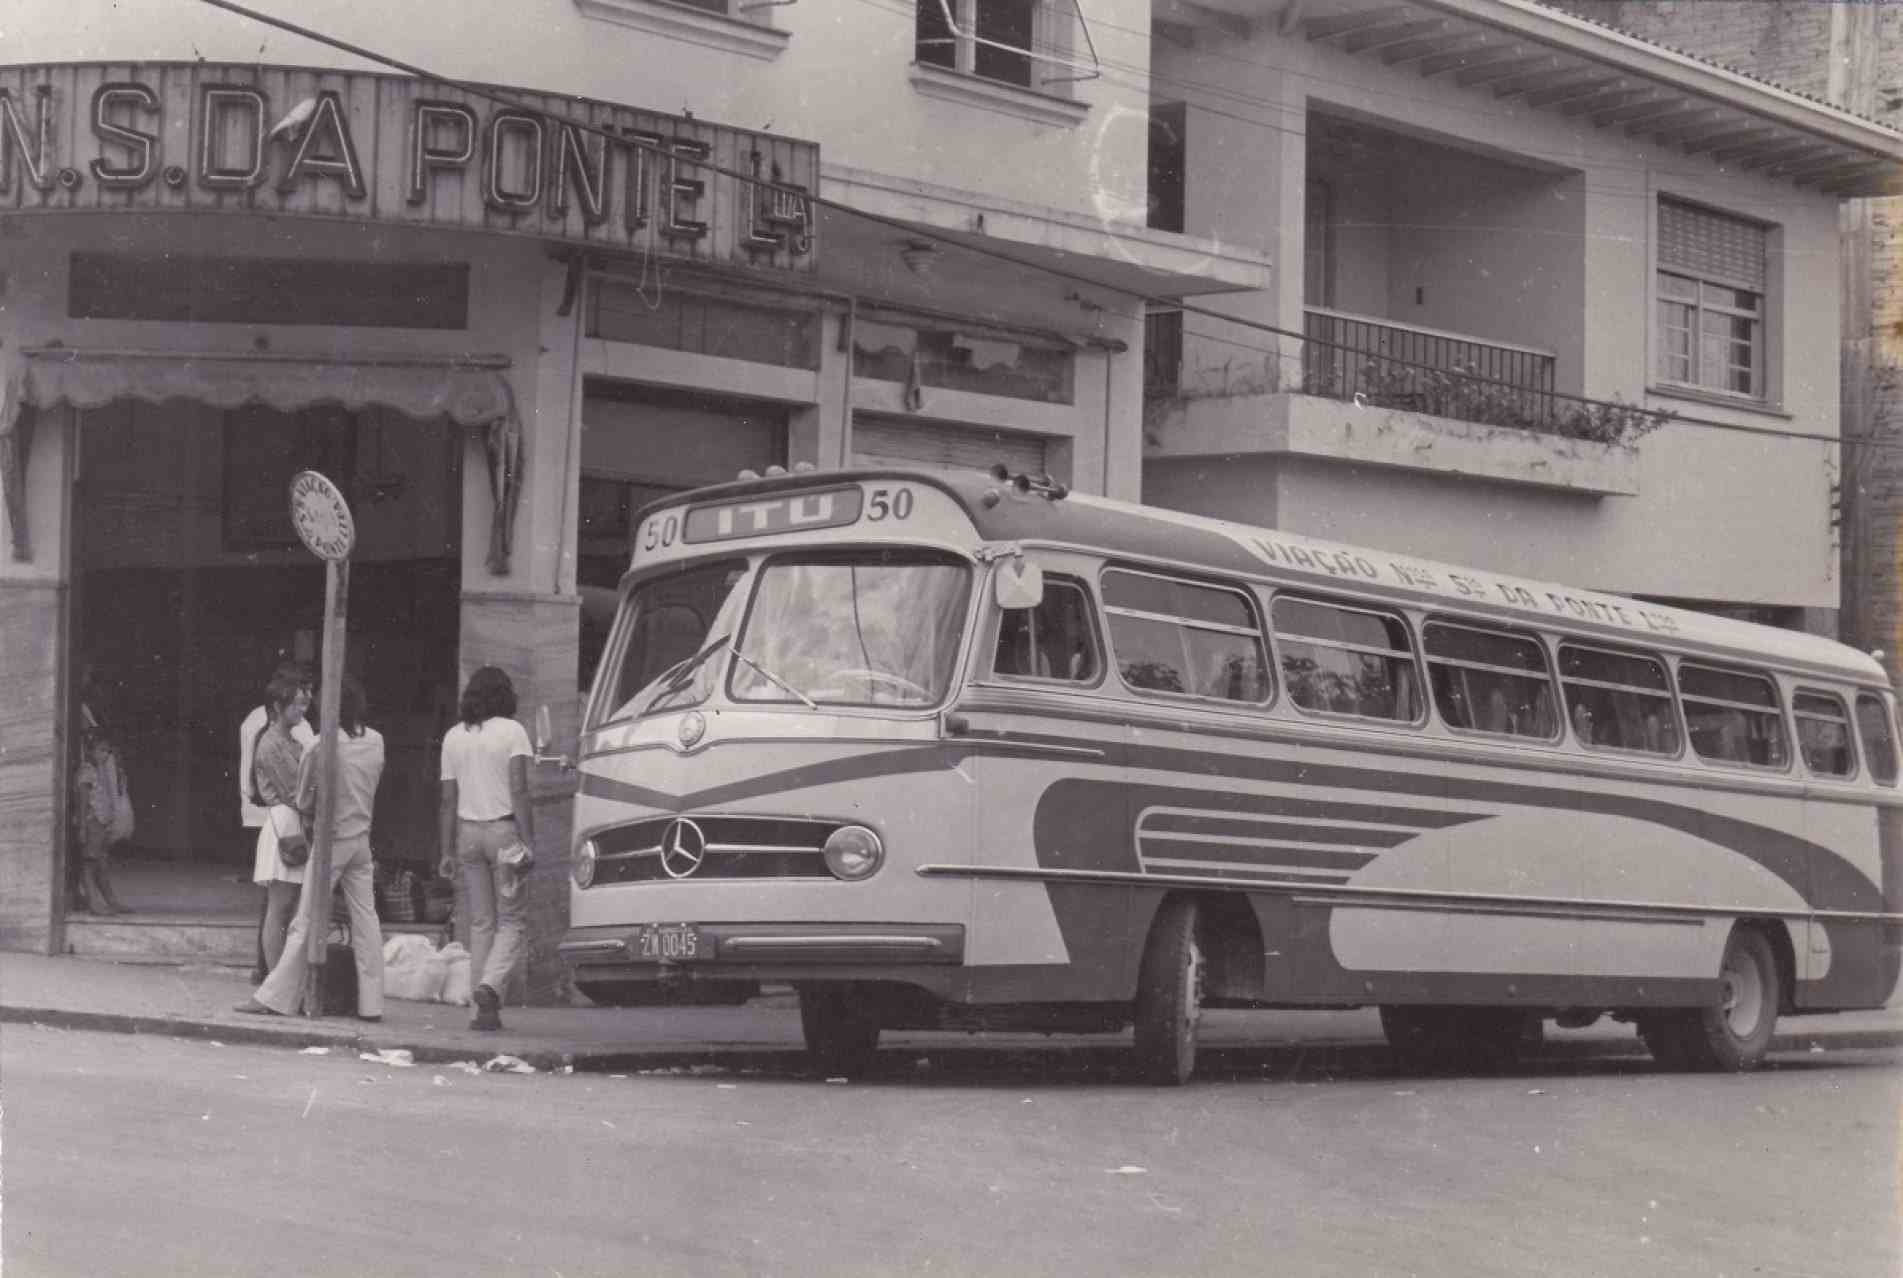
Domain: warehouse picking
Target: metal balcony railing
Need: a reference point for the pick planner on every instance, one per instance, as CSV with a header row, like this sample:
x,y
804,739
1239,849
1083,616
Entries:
x,y
1426,370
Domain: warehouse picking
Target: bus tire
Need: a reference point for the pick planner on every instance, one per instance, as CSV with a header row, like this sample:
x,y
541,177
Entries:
x,y
1169,996
841,1032
1734,1034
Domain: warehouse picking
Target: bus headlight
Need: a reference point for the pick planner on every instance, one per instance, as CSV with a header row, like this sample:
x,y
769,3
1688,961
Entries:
x,y
853,852
584,867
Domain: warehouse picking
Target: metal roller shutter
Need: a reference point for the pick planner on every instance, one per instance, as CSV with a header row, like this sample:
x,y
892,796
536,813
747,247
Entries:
x,y
878,442
1711,245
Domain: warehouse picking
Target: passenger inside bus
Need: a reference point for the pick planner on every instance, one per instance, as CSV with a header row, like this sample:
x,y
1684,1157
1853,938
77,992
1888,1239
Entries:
x,y
1050,641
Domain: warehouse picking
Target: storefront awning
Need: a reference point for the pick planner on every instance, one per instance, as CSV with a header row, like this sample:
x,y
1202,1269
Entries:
x,y
474,394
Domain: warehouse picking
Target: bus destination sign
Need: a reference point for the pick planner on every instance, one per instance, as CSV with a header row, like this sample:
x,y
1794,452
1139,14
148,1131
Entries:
x,y
796,512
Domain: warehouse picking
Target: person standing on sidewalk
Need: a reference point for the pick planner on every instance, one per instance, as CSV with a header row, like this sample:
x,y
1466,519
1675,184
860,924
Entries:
x,y
486,827
252,814
359,769
276,751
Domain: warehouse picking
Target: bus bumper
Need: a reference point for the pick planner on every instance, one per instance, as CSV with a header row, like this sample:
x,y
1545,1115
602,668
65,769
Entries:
x,y
716,955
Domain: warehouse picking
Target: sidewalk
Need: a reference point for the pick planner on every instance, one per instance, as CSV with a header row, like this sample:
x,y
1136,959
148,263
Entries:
x,y
197,1002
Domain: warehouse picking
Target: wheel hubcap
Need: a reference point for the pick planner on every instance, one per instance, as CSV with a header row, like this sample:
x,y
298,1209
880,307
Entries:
x,y
1743,996
1193,986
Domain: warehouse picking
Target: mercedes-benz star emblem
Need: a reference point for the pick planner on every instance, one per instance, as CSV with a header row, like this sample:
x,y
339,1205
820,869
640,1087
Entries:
x,y
683,848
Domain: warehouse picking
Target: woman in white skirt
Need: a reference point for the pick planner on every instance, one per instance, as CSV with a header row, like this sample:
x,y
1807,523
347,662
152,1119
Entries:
x,y
274,763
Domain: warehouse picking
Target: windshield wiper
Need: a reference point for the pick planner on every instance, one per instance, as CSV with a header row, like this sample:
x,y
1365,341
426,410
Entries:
x,y
768,675
683,674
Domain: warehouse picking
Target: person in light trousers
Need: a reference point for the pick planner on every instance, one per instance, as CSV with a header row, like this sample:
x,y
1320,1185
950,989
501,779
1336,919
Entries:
x,y
359,769
487,829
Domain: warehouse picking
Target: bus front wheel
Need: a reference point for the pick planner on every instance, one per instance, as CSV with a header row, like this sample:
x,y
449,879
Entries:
x,y
1735,1033
841,1031
1169,996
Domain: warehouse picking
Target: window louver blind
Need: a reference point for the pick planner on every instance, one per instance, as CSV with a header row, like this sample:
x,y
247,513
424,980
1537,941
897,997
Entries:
x,y
1711,245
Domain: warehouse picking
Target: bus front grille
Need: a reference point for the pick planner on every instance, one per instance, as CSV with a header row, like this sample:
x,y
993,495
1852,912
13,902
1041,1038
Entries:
x,y
668,849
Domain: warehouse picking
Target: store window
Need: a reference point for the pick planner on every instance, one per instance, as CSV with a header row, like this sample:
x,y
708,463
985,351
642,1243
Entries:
x,y
1711,300
1346,661
992,39
1180,637
758,329
1015,366
1618,700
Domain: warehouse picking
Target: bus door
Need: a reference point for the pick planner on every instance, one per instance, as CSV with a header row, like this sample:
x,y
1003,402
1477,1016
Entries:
x,y
1046,749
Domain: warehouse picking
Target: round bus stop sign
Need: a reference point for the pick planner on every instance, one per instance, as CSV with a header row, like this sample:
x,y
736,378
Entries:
x,y
321,516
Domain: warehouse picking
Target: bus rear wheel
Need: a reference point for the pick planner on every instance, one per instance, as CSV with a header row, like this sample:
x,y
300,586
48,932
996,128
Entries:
x,y
1169,996
1734,1034
841,1031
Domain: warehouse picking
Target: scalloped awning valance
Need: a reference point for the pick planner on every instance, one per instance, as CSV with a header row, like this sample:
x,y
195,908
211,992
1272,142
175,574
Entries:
x,y
473,394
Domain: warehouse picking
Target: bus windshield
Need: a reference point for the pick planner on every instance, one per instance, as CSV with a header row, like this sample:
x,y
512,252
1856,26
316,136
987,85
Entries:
x,y
672,656
868,628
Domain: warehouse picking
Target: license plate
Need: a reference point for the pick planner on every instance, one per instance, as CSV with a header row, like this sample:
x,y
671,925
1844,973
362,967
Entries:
x,y
667,941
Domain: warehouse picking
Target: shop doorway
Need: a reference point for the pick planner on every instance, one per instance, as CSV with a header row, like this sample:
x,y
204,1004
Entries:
x,y
189,585
639,444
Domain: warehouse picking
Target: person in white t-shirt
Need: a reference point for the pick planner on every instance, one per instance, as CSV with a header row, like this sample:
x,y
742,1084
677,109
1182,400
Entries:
x,y
486,827
275,904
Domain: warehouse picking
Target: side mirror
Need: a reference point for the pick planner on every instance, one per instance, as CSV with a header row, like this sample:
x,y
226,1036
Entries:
x,y
1018,584
543,734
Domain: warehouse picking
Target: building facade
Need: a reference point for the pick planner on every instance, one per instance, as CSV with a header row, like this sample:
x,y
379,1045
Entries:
x,y
617,253
1850,55
1510,222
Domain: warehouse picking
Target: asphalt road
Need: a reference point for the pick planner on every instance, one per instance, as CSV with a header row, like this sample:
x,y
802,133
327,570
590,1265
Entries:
x,y
126,1155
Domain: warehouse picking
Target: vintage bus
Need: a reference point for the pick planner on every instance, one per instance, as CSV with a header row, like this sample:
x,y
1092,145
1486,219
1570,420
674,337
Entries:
x,y
966,751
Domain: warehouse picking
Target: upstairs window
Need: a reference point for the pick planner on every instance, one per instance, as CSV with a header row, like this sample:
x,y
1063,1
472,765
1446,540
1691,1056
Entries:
x,y
1181,637
1485,681
1347,661
1733,717
1879,746
1618,700
1823,734
1711,292
991,39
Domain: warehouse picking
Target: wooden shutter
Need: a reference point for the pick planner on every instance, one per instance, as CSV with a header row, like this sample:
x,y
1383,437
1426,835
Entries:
x,y
1711,245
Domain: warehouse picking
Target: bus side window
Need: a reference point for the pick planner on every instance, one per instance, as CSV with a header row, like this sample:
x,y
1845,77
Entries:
x,y
1734,715
1185,638
1051,641
1489,681
1350,661
1618,700
1823,734
1879,746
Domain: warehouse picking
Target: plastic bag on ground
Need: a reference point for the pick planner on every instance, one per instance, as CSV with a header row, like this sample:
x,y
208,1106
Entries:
x,y
412,969
456,977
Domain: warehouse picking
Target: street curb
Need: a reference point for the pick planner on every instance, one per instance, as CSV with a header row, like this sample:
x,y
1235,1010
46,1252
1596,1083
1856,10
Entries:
x,y
621,1059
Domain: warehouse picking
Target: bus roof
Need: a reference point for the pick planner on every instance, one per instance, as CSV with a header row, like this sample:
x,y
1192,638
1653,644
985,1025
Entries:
x,y
1000,512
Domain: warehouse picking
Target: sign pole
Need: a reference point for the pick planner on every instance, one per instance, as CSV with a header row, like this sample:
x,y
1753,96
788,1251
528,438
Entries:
x,y
317,902
323,522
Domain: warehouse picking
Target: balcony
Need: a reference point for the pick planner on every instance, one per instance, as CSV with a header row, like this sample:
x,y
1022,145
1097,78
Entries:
x,y
1359,389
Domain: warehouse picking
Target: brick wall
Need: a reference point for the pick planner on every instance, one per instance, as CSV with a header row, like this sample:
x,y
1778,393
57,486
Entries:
x,y
1776,40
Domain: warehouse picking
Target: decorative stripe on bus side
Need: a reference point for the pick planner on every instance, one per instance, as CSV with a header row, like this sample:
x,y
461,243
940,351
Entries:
x,y
1353,896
